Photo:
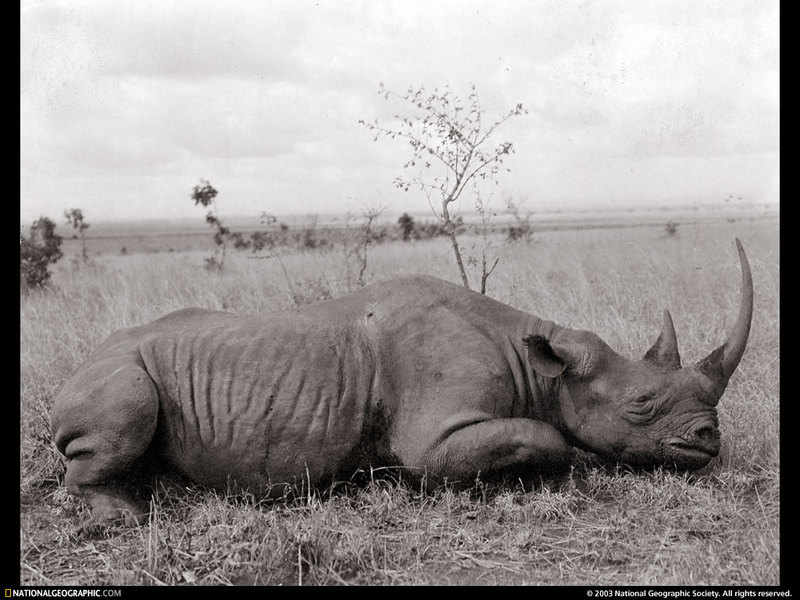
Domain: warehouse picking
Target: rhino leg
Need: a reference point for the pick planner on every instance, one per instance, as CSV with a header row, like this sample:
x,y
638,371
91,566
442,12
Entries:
x,y
103,423
497,446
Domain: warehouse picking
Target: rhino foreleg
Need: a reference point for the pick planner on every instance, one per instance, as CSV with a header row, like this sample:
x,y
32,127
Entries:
x,y
497,446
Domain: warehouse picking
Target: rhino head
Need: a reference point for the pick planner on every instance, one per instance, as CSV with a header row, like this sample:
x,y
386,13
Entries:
x,y
642,412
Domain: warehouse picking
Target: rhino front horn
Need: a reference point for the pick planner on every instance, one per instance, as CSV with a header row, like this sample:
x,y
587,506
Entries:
x,y
722,362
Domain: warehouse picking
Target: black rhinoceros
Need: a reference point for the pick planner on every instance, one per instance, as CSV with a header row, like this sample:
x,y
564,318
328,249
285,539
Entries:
x,y
414,372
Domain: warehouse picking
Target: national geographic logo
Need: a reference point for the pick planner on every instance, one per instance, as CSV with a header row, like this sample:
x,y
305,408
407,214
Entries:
x,y
63,593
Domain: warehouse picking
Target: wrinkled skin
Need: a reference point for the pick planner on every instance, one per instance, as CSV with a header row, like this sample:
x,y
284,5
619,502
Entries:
x,y
414,372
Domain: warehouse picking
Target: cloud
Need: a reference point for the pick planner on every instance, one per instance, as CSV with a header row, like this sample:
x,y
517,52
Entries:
x,y
263,97
180,39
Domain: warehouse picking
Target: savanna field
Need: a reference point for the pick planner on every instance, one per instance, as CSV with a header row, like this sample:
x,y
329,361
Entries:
x,y
596,525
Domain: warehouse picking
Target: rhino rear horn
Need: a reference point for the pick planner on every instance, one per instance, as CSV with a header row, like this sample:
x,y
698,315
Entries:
x,y
722,362
664,351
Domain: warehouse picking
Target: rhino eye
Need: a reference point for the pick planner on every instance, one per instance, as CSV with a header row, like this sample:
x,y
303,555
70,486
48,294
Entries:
x,y
642,405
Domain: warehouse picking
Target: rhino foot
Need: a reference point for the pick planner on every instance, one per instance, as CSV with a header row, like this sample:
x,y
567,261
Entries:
x,y
113,507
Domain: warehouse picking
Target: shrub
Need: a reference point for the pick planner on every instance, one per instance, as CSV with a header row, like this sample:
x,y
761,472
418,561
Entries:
x,y
522,230
37,252
406,223
671,228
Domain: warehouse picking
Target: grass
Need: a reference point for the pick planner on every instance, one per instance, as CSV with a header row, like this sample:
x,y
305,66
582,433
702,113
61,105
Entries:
x,y
597,525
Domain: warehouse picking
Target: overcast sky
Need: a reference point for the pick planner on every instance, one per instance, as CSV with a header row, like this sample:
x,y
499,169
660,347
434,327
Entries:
x,y
127,104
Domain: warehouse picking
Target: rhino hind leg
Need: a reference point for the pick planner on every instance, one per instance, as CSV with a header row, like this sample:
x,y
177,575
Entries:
x,y
103,423
518,446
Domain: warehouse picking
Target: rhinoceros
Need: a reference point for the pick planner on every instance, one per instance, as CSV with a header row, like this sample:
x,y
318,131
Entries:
x,y
414,372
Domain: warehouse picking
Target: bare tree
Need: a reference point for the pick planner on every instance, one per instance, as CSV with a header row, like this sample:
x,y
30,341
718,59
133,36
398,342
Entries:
x,y
522,230
450,146
369,217
270,239
485,213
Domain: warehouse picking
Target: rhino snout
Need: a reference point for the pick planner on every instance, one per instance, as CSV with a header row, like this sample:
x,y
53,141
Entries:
x,y
697,447
706,437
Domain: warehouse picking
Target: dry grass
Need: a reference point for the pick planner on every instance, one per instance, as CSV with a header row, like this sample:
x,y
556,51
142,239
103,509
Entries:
x,y
597,525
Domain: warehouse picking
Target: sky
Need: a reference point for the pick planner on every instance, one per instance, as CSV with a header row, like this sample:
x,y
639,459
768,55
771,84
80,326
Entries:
x,y
126,105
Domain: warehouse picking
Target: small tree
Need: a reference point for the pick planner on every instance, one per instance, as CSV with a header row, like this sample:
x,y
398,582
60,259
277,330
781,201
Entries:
x,y
406,223
369,217
449,140
37,251
204,195
75,218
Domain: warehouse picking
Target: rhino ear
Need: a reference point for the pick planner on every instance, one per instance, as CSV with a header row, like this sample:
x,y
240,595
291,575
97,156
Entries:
x,y
547,359
665,350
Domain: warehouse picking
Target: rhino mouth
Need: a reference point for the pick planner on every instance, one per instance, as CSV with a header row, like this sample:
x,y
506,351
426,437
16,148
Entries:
x,y
685,447
692,453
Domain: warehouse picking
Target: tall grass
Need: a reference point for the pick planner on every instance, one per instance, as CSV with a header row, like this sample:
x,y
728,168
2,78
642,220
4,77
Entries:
x,y
597,525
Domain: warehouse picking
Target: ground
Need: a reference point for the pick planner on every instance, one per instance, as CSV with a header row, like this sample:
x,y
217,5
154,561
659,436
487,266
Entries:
x,y
596,525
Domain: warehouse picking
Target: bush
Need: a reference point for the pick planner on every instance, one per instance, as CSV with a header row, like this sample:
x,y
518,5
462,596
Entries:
x,y
671,228
519,233
406,223
37,252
